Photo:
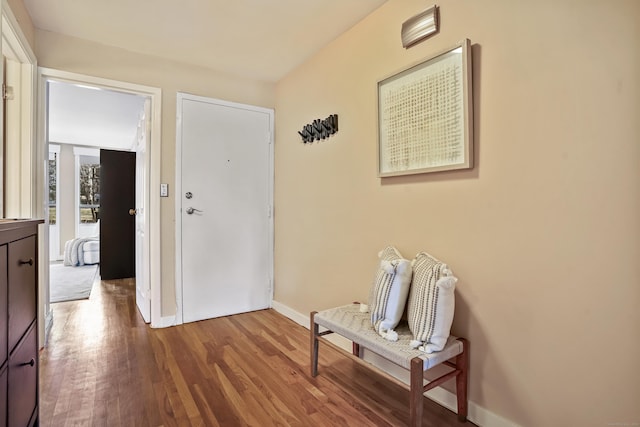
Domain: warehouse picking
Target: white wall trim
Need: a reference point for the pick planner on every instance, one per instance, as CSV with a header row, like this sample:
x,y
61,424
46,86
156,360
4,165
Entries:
x,y
476,413
178,210
165,322
15,37
48,322
84,151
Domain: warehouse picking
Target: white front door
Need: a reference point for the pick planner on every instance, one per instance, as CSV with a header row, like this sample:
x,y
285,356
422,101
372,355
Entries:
x,y
225,240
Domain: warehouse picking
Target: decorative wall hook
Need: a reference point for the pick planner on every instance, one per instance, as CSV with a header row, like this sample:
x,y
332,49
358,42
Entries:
x,y
319,129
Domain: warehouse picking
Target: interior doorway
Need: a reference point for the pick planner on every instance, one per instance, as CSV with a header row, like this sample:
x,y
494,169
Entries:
x,y
145,138
102,128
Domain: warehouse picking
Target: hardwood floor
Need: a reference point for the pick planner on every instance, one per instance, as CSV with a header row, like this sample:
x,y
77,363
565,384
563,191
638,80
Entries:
x,y
104,367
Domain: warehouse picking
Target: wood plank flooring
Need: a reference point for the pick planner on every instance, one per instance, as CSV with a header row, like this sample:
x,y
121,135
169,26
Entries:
x,y
104,367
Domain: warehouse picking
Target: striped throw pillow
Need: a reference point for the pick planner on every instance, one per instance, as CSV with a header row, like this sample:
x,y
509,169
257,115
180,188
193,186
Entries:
x,y
388,294
431,303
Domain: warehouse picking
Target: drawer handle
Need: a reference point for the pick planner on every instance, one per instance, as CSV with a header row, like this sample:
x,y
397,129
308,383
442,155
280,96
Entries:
x,y
30,262
30,362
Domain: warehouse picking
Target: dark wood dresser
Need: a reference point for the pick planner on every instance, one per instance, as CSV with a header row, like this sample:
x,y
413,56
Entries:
x,y
19,322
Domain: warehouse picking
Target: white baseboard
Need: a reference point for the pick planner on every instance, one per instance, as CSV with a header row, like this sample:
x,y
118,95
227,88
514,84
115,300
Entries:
x,y
303,320
164,322
48,323
476,413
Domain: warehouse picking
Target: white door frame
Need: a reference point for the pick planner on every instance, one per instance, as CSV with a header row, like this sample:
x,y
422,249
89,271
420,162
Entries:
x,y
185,96
152,167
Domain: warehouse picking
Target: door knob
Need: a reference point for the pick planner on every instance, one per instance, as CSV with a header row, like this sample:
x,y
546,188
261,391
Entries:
x,y
132,212
190,210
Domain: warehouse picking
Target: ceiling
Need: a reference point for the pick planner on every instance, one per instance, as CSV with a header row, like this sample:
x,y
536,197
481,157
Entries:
x,y
258,39
81,115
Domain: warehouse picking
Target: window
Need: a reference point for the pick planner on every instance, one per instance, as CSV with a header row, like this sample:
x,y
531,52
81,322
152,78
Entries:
x,y
53,185
87,190
89,185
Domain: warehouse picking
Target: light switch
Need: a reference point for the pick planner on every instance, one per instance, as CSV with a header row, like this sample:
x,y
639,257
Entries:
x,y
164,190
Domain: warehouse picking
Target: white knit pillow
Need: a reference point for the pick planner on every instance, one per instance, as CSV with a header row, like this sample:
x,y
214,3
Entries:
x,y
431,303
388,295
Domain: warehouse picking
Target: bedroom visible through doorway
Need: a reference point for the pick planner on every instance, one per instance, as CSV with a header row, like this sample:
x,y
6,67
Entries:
x,y
81,120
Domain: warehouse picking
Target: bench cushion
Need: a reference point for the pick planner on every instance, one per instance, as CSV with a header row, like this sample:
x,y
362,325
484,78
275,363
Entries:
x,y
349,322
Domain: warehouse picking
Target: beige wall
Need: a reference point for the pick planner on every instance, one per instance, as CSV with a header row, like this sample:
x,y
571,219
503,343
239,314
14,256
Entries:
x,y
544,233
79,56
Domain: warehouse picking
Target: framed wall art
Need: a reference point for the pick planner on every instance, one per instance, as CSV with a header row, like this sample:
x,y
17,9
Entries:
x,y
425,116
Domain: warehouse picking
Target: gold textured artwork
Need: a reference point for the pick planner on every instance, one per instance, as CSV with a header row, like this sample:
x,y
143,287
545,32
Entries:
x,y
425,116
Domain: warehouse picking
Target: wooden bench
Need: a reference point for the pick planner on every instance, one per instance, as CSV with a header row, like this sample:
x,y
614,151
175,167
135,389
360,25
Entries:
x,y
349,322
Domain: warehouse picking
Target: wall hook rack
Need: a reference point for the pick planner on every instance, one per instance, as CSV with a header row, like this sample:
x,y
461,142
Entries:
x,y
319,129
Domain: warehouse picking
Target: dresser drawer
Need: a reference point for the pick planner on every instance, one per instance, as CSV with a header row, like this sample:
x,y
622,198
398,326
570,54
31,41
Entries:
x,y
22,287
23,380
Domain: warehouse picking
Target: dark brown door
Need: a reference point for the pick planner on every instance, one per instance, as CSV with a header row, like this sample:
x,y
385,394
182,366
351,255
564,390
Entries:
x,y
117,225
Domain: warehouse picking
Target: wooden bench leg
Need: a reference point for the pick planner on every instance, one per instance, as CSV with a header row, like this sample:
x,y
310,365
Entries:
x,y
416,385
355,349
462,363
314,344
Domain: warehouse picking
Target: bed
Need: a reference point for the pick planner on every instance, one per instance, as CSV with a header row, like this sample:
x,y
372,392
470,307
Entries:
x,y
82,251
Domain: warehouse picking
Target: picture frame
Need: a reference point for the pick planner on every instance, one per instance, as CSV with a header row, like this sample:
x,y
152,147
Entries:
x,y
425,115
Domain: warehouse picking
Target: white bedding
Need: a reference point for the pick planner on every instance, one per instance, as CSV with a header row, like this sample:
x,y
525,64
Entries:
x,y
82,251
91,250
